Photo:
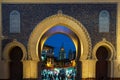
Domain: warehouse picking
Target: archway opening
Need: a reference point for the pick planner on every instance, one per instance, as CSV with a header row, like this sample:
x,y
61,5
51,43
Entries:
x,y
103,55
58,54
16,66
16,54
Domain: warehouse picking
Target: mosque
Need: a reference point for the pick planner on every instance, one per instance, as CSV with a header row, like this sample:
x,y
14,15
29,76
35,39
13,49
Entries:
x,y
92,25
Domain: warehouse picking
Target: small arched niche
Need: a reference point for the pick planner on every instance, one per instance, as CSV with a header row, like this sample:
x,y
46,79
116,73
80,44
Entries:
x,y
102,53
16,54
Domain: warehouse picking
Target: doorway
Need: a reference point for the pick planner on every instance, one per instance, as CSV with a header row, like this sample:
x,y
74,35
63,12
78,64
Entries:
x,y
58,54
16,66
58,58
102,70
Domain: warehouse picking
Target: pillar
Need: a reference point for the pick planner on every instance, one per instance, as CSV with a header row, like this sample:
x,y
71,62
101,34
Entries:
x,y
116,62
4,69
88,69
30,70
118,32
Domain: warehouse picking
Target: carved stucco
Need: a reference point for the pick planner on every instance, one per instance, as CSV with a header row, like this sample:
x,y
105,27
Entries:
x,y
64,20
107,45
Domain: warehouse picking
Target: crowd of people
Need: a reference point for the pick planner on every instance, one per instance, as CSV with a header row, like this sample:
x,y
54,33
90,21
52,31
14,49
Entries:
x,y
58,74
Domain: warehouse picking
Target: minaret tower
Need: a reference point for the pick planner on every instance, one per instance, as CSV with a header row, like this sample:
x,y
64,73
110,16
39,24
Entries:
x,y
62,54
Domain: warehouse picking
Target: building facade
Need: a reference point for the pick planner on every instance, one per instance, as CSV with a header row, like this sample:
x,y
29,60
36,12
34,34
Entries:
x,y
93,26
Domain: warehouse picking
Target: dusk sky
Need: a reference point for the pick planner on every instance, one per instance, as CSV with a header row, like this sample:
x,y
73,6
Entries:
x,y
57,40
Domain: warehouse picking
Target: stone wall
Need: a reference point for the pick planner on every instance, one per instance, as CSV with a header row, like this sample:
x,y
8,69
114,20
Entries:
x,y
32,14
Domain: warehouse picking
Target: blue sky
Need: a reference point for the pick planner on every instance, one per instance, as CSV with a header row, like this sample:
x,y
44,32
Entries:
x,y
57,40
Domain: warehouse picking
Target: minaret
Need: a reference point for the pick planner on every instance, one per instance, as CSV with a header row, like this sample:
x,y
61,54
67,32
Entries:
x,y
70,54
62,54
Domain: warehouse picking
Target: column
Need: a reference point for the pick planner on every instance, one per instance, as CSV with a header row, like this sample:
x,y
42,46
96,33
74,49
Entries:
x,y
4,66
116,63
118,32
30,70
89,69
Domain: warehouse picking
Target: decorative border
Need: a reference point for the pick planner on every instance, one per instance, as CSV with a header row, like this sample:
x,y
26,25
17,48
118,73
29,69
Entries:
x,y
64,20
11,45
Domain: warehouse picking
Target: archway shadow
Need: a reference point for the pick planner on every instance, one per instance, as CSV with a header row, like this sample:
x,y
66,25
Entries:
x,y
79,70
15,65
16,70
102,68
